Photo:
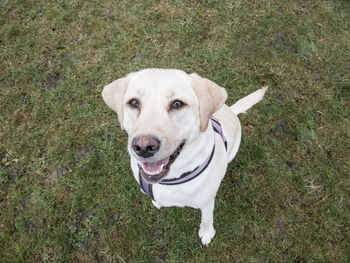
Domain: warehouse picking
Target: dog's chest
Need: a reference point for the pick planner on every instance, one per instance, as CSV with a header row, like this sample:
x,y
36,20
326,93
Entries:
x,y
179,195
194,193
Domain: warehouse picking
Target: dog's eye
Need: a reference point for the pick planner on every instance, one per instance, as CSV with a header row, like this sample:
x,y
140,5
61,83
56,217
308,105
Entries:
x,y
135,103
176,104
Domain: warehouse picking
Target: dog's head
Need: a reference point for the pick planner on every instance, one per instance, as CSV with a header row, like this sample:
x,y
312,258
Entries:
x,y
161,110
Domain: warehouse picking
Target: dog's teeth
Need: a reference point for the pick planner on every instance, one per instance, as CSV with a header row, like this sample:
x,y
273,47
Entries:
x,y
154,172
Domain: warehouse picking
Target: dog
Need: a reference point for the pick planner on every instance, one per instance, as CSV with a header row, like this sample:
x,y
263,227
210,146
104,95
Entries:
x,y
181,136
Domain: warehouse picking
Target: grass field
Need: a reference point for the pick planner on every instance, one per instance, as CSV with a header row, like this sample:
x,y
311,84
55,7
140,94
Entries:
x,y
66,190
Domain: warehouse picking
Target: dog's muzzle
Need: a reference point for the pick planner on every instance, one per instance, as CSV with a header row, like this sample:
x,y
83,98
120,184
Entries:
x,y
145,145
154,172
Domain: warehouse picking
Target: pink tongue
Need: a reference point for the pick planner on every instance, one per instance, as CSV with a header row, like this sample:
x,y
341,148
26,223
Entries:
x,y
155,167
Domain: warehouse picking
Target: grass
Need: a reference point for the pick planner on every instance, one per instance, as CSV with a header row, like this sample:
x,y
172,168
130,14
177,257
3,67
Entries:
x,y
66,190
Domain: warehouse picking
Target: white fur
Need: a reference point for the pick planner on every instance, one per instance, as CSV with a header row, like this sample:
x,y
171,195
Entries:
x,y
156,88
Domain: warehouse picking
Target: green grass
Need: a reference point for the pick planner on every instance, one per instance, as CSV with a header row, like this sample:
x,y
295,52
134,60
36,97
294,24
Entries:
x,y
66,190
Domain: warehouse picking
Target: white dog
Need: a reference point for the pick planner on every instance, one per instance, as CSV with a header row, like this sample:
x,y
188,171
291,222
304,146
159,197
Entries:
x,y
181,136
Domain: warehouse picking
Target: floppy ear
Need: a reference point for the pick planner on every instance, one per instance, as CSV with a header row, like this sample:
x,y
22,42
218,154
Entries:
x,y
113,95
210,97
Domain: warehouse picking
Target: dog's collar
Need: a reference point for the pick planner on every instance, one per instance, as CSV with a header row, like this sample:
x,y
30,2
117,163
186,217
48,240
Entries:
x,y
187,176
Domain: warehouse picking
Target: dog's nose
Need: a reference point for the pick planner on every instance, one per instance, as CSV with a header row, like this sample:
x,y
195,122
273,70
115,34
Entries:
x,y
145,146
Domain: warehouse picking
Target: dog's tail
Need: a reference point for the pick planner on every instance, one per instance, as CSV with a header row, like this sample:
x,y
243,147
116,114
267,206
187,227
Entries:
x,y
249,101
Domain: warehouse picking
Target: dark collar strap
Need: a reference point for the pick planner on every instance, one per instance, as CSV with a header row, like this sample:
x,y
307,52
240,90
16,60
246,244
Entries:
x,y
218,129
146,187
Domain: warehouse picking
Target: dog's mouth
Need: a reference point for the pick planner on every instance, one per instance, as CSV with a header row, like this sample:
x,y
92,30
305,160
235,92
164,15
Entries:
x,y
154,172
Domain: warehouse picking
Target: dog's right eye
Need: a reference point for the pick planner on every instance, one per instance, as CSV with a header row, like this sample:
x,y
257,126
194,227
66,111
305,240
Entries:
x,y
134,103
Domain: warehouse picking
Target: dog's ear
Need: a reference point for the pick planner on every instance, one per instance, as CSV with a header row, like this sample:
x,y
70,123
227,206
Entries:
x,y
210,97
113,95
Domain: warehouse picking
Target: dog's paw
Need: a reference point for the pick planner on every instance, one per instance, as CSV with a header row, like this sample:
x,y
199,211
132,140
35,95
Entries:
x,y
206,234
156,204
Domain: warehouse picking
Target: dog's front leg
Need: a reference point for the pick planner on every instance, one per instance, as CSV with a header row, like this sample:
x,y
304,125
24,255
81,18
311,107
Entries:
x,y
206,231
156,204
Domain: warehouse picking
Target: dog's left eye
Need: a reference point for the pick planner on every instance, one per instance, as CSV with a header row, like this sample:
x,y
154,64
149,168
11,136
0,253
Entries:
x,y
134,103
176,104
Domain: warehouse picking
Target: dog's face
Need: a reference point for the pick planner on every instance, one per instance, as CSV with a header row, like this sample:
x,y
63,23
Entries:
x,y
162,110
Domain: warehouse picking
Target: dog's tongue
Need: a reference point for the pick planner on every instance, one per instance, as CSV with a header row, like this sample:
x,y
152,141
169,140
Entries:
x,y
155,168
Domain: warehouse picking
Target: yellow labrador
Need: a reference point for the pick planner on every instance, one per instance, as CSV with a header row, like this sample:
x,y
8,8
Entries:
x,y
181,136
